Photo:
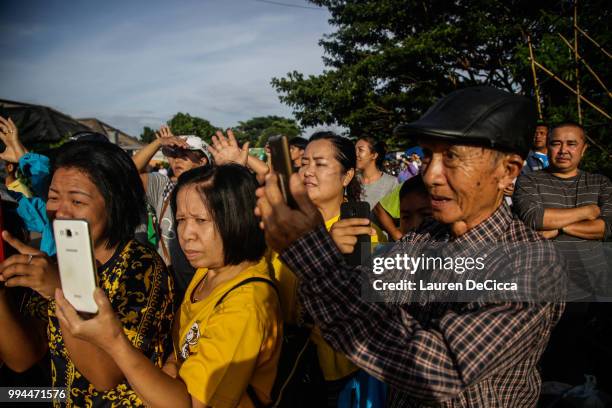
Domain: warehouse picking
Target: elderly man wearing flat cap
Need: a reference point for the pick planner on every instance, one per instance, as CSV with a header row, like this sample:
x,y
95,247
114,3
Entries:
x,y
472,354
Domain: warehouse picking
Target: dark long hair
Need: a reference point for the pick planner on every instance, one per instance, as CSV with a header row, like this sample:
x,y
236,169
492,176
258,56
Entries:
x,y
344,150
116,177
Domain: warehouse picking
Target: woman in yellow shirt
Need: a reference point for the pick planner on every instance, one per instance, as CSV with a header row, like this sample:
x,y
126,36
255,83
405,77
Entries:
x,y
328,172
228,336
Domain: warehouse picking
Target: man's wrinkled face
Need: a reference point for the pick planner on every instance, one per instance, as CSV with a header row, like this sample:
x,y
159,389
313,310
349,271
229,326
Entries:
x,y
463,181
539,138
565,148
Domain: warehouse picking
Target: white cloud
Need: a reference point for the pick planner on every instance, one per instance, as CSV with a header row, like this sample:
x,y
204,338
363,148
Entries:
x,y
132,75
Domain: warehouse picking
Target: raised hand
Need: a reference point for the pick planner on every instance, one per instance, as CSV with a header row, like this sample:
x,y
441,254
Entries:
x,y
30,268
167,139
10,137
103,330
226,149
164,132
283,225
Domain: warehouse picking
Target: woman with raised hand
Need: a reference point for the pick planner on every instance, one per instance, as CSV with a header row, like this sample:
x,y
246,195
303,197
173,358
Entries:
x,y
97,182
228,337
183,154
328,173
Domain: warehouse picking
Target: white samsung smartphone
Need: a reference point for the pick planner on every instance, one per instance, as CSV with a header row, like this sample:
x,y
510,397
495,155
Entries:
x,y
76,262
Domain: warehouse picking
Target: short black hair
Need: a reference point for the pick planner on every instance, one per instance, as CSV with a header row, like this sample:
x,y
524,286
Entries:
x,y
413,185
228,192
543,124
298,142
346,155
569,123
116,177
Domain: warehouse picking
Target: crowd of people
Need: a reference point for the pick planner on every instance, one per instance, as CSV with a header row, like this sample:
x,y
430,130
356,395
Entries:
x,y
207,279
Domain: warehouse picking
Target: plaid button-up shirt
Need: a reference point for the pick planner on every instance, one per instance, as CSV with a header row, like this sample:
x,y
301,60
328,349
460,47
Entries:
x,y
449,355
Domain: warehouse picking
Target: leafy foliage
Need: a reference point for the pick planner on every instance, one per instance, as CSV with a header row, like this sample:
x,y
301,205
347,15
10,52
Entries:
x,y
185,124
257,130
389,60
147,135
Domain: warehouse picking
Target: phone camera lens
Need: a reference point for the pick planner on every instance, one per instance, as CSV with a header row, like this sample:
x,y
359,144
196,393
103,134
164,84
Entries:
x,y
69,233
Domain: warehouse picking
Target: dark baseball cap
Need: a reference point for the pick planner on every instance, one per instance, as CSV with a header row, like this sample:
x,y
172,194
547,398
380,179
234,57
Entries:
x,y
480,115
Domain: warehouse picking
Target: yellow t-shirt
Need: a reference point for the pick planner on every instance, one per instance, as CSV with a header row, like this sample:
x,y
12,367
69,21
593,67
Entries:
x,y
333,363
225,349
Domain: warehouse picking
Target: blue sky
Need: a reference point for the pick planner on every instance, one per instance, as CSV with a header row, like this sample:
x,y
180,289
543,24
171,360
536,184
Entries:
x,y
135,63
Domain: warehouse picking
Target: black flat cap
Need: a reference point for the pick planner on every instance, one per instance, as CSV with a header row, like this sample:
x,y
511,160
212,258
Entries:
x,y
479,115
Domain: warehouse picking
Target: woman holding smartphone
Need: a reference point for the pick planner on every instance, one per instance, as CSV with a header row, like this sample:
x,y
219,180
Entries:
x,y
97,182
328,173
229,332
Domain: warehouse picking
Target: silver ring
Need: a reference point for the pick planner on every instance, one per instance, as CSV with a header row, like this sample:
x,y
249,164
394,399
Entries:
x,y
30,256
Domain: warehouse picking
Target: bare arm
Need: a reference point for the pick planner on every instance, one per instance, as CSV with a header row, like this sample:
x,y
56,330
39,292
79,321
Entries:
x,y
386,222
91,361
588,229
555,218
259,167
153,386
23,341
144,155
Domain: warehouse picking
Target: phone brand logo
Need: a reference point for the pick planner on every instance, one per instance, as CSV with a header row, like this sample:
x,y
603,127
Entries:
x,y
71,250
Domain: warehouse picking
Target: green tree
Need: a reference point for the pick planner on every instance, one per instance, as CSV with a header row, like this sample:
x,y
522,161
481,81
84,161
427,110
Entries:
x,y
257,130
388,60
185,124
147,135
